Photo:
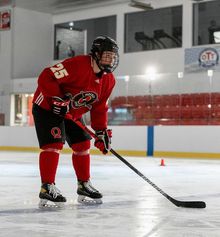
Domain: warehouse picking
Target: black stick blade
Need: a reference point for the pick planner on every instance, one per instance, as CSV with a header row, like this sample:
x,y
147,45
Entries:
x,y
189,204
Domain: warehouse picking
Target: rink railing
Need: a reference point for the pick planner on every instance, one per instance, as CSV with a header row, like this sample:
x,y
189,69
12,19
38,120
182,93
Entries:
x,y
159,141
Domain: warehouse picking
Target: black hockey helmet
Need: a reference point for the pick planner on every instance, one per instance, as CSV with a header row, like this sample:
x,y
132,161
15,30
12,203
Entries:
x,y
101,44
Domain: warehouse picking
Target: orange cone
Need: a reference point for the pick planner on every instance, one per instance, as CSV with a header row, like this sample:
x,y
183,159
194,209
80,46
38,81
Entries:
x,y
162,163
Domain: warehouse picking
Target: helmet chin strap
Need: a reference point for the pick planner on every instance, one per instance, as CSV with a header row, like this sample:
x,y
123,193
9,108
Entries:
x,y
97,70
104,68
95,65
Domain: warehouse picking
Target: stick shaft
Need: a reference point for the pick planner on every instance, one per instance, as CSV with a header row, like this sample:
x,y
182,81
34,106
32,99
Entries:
x,y
189,204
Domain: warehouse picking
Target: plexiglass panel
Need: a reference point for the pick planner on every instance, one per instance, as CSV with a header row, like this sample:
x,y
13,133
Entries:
x,y
206,28
153,29
166,99
75,37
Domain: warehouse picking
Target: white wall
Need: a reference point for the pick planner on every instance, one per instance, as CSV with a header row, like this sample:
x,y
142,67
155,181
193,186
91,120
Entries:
x,y
133,138
27,85
5,69
178,141
18,136
25,50
5,57
204,139
32,43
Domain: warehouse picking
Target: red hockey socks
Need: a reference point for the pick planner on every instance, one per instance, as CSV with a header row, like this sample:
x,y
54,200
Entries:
x,y
81,164
48,162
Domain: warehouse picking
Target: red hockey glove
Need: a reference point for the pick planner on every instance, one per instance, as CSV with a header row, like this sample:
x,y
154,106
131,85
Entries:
x,y
60,106
103,140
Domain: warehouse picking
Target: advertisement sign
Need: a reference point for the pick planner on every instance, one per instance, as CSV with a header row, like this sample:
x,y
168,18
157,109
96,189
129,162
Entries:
x,y
5,20
202,59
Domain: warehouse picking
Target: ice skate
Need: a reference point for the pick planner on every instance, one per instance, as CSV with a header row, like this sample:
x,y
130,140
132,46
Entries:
x,y
88,194
50,196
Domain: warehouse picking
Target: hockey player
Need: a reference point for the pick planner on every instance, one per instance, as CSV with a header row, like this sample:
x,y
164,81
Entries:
x,y
65,92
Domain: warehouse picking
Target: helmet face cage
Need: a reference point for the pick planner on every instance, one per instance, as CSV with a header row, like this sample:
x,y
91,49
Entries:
x,y
101,44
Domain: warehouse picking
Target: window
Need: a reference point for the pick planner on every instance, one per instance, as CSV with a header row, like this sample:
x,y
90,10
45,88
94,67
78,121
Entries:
x,y
75,37
206,29
21,110
153,29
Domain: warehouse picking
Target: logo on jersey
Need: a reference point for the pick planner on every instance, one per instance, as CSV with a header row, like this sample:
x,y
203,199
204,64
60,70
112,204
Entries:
x,y
84,99
56,132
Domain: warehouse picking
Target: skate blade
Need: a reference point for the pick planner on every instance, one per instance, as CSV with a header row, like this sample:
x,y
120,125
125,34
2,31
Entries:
x,y
89,201
49,204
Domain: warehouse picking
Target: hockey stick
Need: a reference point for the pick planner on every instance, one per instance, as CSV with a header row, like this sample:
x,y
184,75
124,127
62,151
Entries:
x,y
187,204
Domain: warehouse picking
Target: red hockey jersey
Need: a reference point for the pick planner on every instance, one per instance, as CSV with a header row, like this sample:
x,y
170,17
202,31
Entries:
x,y
76,76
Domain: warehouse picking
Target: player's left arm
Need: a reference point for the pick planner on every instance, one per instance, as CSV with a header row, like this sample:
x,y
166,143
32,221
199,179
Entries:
x,y
99,111
99,122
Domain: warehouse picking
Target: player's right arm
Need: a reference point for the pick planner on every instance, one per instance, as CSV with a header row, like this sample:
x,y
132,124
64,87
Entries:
x,y
50,80
49,84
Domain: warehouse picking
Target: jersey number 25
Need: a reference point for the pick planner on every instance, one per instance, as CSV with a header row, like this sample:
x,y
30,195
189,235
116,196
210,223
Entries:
x,y
59,71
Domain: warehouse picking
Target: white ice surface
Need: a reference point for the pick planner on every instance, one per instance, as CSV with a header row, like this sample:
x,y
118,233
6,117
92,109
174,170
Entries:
x,y
131,207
